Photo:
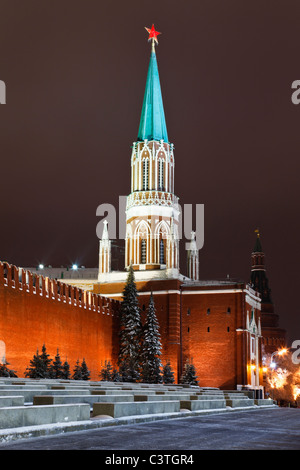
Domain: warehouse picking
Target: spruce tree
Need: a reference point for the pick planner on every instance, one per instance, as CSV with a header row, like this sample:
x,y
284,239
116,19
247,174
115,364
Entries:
x,y
36,369
77,375
85,373
168,374
66,370
6,372
106,372
57,367
116,376
46,362
151,347
130,331
189,374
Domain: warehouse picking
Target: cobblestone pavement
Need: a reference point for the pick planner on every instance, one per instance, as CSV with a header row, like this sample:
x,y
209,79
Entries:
x,y
277,429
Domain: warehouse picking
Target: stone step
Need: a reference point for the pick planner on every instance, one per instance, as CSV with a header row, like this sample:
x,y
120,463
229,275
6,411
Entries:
x,y
65,399
122,409
121,392
264,402
195,405
22,387
167,397
236,403
11,400
19,416
29,394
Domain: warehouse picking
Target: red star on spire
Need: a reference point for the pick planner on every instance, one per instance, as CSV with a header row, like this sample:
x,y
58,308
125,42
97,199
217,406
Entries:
x,y
152,34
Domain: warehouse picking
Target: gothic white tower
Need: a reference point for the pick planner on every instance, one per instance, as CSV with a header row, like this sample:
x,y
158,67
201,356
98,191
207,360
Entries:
x,y
152,212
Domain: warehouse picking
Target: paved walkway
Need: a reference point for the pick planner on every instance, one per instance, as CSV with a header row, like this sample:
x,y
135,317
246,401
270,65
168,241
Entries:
x,y
254,429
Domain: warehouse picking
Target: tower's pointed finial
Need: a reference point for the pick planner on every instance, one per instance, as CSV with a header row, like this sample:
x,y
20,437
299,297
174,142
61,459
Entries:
x,y
257,232
153,36
105,231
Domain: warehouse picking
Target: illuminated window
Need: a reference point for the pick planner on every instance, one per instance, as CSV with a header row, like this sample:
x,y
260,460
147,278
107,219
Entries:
x,y
162,252
145,174
161,175
143,252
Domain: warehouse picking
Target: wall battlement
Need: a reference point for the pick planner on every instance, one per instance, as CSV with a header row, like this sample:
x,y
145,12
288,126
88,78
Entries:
x,y
26,281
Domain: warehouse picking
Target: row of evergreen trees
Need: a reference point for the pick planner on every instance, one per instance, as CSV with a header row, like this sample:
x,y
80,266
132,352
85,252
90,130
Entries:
x,y
139,357
42,367
110,374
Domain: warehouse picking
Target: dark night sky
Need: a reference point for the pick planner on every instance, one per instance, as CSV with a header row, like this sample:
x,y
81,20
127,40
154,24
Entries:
x,y
75,73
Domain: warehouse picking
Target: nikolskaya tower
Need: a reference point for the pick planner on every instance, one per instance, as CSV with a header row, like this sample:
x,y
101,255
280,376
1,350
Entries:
x,y
152,209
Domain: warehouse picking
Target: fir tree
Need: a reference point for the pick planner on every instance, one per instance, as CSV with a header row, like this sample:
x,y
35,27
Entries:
x,y
57,367
85,373
189,374
36,369
77,375
46,362
6,372
130,331
151,347
116,376
168,374
106,372
66,370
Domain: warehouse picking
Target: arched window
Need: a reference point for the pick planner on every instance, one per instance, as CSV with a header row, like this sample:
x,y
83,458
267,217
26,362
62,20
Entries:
x,y
145,174
143,251
162,252
161,175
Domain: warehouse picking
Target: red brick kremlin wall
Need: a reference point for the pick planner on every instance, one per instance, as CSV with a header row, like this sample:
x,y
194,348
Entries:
x,y
35,310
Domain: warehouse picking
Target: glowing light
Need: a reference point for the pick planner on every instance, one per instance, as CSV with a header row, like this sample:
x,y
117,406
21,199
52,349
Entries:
x,y
273,365
75,267
296,392
279,378
253,367
282,351
265,369
41,266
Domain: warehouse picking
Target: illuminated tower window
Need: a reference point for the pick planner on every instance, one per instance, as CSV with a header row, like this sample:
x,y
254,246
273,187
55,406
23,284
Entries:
x,y
161,175
162,252
145,174
143,252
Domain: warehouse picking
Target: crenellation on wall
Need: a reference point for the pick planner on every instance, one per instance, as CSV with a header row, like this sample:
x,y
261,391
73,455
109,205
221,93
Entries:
x,y
18,278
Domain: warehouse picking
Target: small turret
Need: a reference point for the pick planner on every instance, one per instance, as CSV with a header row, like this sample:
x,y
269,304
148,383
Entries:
x,y
193,259
105,252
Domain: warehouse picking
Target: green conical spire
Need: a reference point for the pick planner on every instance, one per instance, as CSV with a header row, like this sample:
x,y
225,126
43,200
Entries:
x,y
153,123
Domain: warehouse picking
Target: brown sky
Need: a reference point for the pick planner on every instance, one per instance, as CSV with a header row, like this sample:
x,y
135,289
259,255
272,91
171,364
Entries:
x,y
75,73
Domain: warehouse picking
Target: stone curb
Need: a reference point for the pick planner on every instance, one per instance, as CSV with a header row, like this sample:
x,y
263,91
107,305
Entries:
x,y
13,434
